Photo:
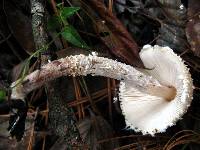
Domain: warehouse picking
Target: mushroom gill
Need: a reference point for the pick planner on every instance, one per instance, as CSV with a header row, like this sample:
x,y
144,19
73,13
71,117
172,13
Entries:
x,y
152,109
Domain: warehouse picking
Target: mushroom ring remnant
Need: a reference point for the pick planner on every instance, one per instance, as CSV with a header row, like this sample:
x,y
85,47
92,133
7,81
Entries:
x,y
153,109
151,99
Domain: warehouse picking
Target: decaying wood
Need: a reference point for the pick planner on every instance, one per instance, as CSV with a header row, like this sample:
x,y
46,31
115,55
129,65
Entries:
x,y
38,23
61,118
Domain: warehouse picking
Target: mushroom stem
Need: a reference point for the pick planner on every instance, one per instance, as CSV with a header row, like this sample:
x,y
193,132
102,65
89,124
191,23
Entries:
x,y
168,93
82,65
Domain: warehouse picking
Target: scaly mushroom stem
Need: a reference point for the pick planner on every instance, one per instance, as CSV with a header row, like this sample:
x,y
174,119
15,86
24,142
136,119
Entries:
x,y
168,93
82,65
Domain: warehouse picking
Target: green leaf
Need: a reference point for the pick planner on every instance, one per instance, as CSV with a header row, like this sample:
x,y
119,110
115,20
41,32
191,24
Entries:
x,y
54,23
71,35
66,12
59,5
2,95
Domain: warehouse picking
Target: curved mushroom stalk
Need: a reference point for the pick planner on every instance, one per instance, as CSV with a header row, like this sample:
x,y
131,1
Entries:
x,y
82,65
142,92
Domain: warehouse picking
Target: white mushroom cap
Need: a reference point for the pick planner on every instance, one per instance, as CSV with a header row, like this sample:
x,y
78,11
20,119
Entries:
x,y
147,112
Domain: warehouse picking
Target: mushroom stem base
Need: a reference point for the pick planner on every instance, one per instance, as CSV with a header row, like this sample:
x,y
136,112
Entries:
x,y
166,92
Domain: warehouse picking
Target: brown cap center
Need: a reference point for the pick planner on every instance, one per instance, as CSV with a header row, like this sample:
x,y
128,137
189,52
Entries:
x,y
166,92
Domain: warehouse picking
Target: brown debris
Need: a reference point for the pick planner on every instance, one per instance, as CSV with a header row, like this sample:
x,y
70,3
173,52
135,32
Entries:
x,y
124,47
20,26
193,26
95,128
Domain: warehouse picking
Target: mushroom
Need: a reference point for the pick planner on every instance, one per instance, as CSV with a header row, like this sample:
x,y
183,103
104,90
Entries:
x,y
152,109
151,99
